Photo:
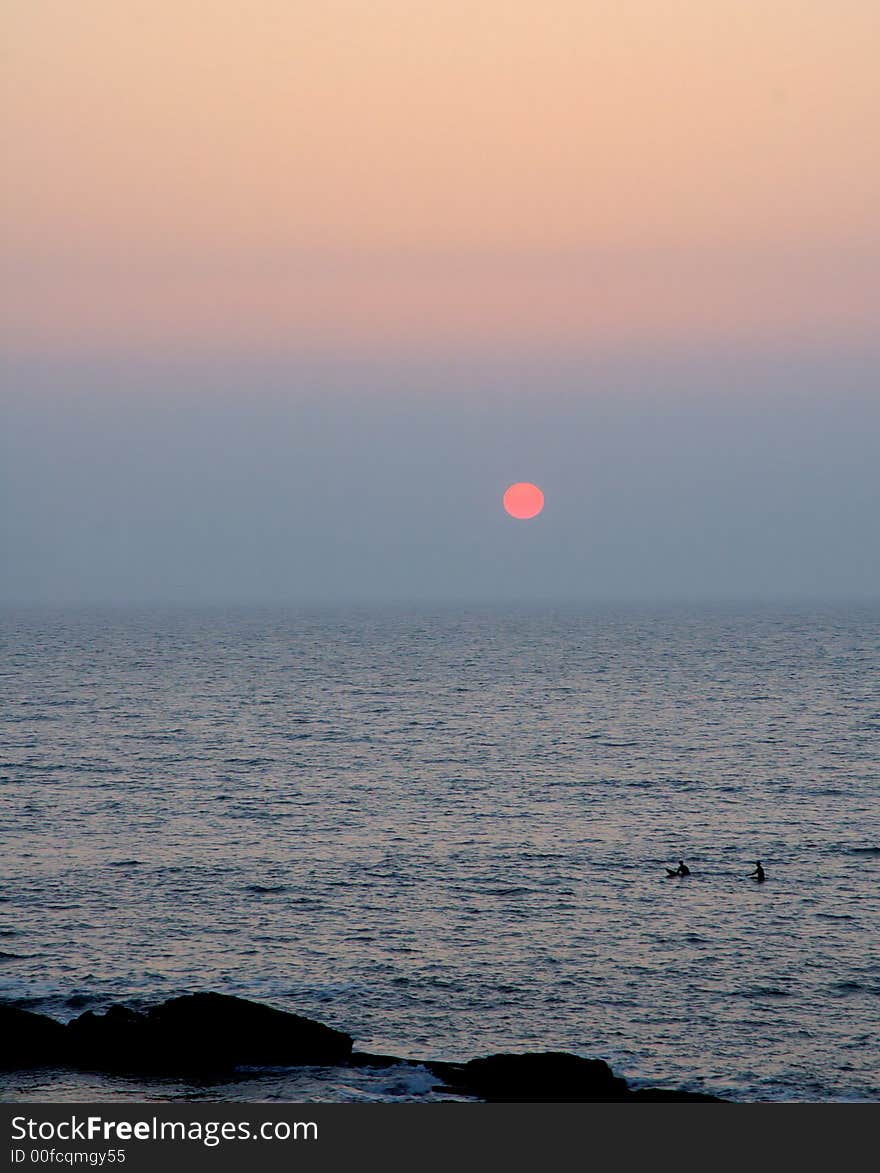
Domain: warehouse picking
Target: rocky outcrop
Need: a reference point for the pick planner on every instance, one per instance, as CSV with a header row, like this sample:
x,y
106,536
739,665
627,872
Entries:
x,y
202,1032
30,1040
549,1077
211,1034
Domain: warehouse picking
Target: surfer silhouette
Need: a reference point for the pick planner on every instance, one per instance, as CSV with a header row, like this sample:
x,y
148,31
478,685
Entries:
x,y
681,870
758,873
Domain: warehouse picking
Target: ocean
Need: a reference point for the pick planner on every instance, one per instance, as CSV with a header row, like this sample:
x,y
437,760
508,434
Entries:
x,y
445,830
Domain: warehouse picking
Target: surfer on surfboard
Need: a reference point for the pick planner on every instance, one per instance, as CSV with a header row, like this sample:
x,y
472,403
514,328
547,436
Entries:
x,y
681,870
758,873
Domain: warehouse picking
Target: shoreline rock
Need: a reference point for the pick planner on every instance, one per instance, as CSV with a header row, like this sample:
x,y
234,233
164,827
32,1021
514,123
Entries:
x,y
213,1034
203,1032
30,1040
550,1077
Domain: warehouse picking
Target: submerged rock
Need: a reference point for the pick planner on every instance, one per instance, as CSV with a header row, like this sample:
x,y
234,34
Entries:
x,y
659,1095
367,1059
30,1040
203,1032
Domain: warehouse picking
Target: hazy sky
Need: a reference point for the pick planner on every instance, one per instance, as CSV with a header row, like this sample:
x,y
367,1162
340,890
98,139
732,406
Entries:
x,y
292,291
691,479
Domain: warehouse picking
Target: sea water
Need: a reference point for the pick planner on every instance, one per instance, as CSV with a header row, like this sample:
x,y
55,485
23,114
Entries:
x,y
446,830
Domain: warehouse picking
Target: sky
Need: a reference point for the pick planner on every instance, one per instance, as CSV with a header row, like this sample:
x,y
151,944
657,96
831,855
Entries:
x,y
293,291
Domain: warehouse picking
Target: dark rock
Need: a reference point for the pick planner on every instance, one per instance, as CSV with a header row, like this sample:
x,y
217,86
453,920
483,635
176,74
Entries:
x,y
210,1034
549,1077
659,1095
249,1033
117,1040
203,1032
365,1059
30,1040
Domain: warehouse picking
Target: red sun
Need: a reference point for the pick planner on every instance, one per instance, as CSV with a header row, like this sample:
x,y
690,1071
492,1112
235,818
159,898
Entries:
x,y
523,500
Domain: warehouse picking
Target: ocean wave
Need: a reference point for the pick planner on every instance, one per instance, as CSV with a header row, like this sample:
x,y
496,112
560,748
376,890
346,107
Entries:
x,y
761,992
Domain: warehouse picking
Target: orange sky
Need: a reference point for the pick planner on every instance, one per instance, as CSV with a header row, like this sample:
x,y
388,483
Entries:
x,y
407,175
